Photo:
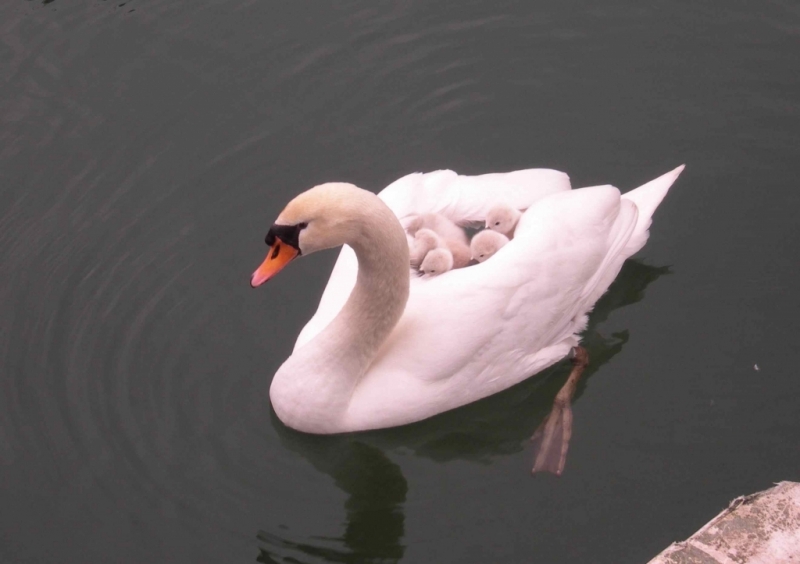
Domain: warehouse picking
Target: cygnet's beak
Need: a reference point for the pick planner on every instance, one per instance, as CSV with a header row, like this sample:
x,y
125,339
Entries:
x,y
280,254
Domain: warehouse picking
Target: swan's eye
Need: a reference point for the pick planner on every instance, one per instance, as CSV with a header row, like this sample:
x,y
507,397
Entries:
x,y
497,223
483,255
302,225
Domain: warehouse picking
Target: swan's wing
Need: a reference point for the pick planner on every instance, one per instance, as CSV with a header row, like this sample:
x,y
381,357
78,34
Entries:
x,y
467,199
474,331
647,198
463,199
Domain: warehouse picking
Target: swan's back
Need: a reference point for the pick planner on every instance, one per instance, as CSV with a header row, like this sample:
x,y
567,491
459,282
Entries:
x,y
467,199
476,331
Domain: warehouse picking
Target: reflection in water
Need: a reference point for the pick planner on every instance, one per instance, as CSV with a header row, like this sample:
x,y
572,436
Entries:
x,y
376,487
496,426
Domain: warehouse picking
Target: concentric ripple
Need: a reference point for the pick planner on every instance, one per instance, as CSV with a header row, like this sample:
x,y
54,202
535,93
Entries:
x,y
145,148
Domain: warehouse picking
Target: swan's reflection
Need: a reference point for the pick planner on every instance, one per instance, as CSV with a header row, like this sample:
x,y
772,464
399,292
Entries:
x,y
501,424
377,489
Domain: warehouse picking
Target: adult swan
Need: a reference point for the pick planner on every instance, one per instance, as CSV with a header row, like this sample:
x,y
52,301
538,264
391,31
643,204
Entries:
x,y
387,348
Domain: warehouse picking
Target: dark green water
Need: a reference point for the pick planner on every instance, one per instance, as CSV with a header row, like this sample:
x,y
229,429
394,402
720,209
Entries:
x,y
145,147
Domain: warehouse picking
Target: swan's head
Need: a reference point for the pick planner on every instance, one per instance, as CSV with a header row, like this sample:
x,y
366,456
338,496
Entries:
x,y
485,244
325,216
502,219
436,262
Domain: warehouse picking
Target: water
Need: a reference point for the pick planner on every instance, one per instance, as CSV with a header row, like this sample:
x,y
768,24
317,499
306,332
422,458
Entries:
x,y
145,148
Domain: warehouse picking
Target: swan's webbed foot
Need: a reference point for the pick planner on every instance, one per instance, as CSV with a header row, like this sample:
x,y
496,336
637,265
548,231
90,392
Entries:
x,y
579,356
551,439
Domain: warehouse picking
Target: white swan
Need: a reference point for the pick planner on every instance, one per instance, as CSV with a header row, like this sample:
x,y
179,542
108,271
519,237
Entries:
x,y
386,349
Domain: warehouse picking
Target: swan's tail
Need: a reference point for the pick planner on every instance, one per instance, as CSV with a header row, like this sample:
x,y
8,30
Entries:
x,y
629,233
647,198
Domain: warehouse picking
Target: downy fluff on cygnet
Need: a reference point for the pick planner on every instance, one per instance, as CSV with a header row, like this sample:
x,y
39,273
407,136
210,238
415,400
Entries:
x,y
486,243
442,233
503,219
442,225
437,261
459,251
425,240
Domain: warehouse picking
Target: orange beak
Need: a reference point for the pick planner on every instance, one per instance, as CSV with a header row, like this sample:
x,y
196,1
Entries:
x,y
280,254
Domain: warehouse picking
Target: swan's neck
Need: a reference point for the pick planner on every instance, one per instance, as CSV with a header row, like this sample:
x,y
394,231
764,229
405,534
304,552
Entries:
x,y
312,390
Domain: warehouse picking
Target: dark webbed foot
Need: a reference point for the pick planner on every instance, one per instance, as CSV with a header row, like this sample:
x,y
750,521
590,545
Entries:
x,y
551,439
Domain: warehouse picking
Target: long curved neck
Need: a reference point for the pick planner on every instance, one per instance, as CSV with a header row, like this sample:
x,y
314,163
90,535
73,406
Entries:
x,y
378,298
312,390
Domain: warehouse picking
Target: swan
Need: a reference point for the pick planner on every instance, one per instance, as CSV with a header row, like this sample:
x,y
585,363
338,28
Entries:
x,y
437,262
485,244
385,348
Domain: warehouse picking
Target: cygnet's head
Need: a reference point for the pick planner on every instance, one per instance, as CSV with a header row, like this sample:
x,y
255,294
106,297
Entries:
x,y
437,262
486,243
503,219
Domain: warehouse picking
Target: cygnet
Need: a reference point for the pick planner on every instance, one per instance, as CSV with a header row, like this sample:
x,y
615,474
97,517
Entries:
x,y
486,243
436,262
503,219
460,252
442,225
425,240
